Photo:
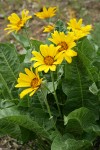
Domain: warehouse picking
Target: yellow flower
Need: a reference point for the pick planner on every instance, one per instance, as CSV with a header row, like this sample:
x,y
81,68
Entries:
x,y
49,28
77,34
16,23
30,81
78,28
47,59
46,13
66,42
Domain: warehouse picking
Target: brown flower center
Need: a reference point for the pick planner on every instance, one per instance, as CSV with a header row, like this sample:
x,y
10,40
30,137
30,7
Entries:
x,y
77,28
34,83
48,60
63,45
19,23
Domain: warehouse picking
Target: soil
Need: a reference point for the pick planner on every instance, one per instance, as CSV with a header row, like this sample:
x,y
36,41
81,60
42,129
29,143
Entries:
x,y
89,10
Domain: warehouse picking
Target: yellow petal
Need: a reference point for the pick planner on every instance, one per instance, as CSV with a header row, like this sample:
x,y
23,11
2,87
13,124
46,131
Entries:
x,y
37,55
37,64
68,59
71,53
24,80
59,60
47,69
29,73
14,18
53,68
24,77
53,50
80,22
32,92
42,67
44,50
71,45
23,84
25,92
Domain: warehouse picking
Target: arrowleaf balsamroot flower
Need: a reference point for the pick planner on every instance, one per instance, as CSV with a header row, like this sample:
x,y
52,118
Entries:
x,y
49,28
66,42
30,81
48,58
78,28
16,23
46,13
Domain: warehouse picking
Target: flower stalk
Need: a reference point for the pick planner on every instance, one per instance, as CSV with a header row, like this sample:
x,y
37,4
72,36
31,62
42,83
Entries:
x,y
47,105
55,95
25,30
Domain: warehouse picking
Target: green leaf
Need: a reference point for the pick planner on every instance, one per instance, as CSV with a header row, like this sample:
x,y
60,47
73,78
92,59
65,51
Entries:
x,y
58,144
8,128
28,57
60,26
80,75
93,89
4,88
87,54
96,34
42,118
5,103
22,40
70,144
25,135
50,86
78,120
74,127
9,63
76,87
14,116
97,61
95,129
36,44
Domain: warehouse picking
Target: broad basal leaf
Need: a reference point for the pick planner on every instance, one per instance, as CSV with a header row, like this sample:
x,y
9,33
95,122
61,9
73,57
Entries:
x,y
12,115
77,120
70,144
96,34
80,75
76,87
9,63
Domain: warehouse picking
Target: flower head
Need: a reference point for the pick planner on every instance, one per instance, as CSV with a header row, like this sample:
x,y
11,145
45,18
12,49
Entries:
x,y
48,28
47,59
16,23
30,81
46,13
78,28
66,42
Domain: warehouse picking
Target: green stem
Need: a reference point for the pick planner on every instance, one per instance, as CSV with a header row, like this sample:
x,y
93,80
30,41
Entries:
x,y
49,110
47,105
27,36
65,70
55,95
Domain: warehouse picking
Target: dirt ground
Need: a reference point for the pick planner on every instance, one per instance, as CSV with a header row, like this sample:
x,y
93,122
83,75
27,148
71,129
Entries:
x,y
89,10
